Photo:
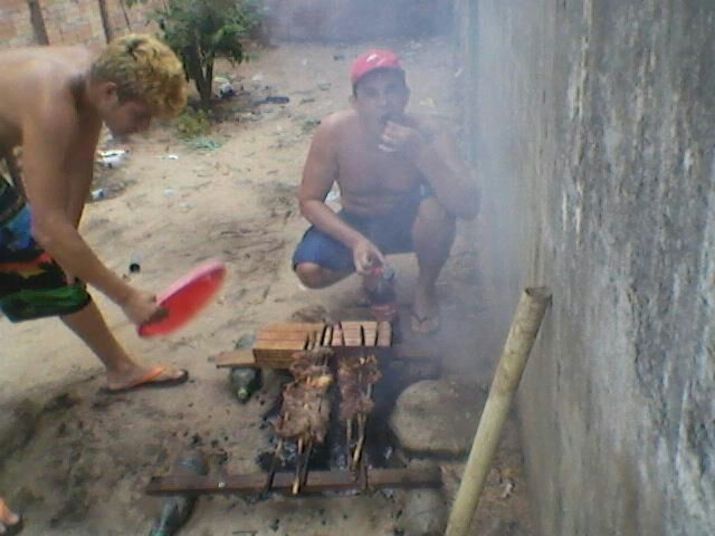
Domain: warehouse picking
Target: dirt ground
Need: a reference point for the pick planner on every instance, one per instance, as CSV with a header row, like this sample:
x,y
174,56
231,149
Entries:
x,y
76,460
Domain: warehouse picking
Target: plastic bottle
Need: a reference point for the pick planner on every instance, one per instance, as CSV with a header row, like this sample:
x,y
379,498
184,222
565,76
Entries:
x,y
385,290
245,381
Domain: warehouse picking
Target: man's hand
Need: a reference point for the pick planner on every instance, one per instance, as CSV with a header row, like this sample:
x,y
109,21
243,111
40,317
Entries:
x,y
367,256
401,139
141,308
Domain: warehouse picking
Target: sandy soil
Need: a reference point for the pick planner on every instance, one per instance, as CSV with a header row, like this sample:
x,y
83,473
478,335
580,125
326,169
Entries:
x,y
80,459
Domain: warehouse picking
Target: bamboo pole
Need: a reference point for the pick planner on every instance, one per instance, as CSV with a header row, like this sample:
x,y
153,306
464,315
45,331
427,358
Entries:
x,y
522,334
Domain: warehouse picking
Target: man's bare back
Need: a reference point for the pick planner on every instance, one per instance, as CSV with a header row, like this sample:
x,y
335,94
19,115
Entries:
x,y
41,77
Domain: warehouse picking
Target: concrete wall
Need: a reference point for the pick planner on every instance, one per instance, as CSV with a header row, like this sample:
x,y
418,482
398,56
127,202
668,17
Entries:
x,y
356,20
593,130
70,22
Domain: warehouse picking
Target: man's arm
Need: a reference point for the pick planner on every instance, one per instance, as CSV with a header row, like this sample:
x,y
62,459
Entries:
x,y
319,173
434,152
46,141
81,175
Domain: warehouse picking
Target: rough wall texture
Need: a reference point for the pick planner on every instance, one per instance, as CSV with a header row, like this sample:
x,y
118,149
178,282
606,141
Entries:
x,y
356,20
593,125
70,22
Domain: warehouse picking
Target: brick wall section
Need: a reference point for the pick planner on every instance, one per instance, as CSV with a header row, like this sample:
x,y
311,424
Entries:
x,y
70,22
15,27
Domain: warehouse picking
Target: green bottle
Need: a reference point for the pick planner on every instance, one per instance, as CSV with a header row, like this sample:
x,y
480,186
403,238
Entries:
x,y
177,509
245,381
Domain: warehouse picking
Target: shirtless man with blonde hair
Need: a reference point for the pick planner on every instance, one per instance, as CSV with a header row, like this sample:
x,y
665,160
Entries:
x,y
53,102
402,187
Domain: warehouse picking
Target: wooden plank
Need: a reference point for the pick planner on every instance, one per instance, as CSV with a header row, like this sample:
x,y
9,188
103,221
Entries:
x,y
337,336
327,336
293,326
352,333
267,336
384,334
369,330
317,481
236,358
294,346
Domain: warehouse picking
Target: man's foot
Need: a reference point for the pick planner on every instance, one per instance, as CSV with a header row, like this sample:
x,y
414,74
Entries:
x,y
10,522
425,318
157,376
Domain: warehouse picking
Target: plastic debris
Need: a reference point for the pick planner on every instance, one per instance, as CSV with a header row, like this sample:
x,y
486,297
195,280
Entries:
x,y
276,99
98,194
113,158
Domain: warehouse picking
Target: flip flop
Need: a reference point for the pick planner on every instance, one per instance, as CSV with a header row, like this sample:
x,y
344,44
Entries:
x,y
418,324
149,380
16,528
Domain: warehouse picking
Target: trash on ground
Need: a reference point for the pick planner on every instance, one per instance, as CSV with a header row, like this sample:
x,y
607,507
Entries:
x,y
113,158
98,194
245,381
205,144
276,99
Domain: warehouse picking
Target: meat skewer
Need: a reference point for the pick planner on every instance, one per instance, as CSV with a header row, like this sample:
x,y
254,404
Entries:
x,y
304,417
356,376
274,465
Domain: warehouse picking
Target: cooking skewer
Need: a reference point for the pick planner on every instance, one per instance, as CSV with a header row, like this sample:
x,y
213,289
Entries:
x,y
298,467
272,469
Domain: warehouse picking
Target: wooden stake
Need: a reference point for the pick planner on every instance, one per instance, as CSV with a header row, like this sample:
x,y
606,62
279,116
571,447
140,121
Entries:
x,y
524,327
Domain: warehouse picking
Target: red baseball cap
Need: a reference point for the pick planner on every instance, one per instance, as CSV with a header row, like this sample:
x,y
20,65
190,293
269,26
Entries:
x,y
372,60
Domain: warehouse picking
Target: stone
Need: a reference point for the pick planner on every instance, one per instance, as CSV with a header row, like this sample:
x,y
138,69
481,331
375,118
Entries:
x,y
424,513
438,417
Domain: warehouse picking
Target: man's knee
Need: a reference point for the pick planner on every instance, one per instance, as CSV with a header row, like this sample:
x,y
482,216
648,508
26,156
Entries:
x,y
434,220
312,275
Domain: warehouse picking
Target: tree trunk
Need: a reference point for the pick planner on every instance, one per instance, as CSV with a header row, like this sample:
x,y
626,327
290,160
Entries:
x,y
38,22
106,25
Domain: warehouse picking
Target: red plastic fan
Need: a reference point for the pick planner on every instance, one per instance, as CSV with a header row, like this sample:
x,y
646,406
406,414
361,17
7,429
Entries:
x,y
186,298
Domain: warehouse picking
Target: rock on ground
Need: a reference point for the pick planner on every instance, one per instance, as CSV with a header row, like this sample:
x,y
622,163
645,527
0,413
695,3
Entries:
x,y
438,417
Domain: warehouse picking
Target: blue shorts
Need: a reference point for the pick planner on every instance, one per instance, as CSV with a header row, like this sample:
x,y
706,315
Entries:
x,y
391,233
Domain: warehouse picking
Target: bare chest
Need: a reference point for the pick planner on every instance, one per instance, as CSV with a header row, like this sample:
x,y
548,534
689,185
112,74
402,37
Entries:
x,y
367,170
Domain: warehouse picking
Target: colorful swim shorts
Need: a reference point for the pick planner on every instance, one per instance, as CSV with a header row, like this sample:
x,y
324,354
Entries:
x,y
32,284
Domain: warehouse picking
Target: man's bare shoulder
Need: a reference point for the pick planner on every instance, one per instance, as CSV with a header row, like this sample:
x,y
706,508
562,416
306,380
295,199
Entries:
x,y
338,122
32,62
40,83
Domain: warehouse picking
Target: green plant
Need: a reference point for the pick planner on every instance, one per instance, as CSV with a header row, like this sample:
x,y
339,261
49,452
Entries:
x,y
192,124
200,31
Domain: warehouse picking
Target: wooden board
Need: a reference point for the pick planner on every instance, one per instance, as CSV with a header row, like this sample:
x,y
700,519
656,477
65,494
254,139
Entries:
x,y
317,481
277,343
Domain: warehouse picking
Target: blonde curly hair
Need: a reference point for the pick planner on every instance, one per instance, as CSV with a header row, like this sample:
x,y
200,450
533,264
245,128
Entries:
x,y
144,69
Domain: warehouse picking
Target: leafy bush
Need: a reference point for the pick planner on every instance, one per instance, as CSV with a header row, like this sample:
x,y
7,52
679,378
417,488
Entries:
x,y
200,31
192,124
